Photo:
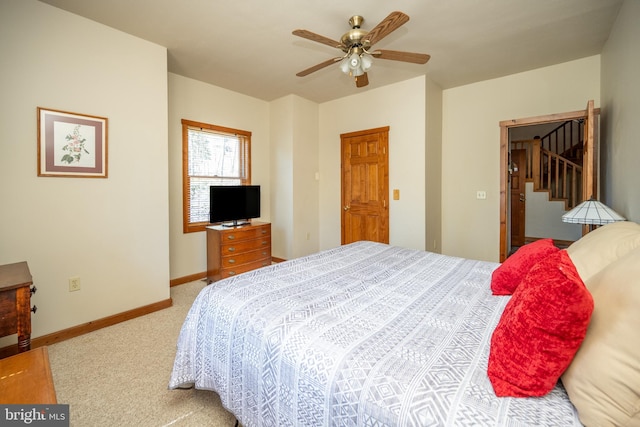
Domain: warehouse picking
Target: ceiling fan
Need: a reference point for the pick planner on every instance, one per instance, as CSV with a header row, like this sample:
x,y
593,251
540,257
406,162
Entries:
x,y
356,45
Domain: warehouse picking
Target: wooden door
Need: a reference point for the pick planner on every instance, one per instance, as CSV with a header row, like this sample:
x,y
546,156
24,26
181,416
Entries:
x,y
365,186
518,196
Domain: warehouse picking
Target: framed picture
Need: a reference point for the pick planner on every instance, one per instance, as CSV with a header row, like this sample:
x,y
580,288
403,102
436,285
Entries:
x,y
71,144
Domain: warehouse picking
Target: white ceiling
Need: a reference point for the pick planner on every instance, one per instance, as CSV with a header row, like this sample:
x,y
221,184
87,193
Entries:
x,y
247,46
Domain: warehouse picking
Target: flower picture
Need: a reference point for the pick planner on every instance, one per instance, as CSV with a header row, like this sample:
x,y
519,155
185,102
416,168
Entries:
x,y
71,144
74,147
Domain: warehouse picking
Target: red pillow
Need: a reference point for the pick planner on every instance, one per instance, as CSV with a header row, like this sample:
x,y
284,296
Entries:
x,y
540,330
506,278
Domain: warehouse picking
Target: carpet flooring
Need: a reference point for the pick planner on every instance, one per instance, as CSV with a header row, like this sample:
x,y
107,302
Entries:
x,y
118,376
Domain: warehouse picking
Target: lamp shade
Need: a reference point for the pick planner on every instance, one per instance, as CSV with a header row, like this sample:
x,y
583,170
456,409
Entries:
x,y
592,212
344,65
366,61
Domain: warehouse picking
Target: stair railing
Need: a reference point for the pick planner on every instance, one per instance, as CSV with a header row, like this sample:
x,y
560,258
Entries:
x,y
565,139
559,176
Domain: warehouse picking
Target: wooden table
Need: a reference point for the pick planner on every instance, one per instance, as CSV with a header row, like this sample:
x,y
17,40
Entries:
x,y
26,378
15,303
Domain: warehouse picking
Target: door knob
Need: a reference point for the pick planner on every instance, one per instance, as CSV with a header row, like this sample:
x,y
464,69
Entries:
x,y
346,208
522,199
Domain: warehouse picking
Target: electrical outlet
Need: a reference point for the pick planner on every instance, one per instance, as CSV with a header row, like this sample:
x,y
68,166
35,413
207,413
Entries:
x,y
481,195
74,284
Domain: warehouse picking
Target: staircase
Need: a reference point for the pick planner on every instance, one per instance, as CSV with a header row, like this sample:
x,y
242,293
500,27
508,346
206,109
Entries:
x,y
554,162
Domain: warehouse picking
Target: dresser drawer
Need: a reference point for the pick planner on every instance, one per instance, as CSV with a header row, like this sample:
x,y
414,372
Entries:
x,y
240,234
245,245
8,313
234,271
246,257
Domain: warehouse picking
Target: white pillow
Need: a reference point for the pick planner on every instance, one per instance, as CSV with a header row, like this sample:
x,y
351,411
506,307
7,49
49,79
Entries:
x,y
603,380
602,246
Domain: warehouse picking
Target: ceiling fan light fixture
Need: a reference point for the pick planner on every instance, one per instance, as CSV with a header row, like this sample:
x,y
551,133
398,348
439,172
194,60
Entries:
x,y
356,43
366,60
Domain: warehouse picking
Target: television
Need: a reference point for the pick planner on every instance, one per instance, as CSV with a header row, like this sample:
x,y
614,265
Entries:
x,y
234,203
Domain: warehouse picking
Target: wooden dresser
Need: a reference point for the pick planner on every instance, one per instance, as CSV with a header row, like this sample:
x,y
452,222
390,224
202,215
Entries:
x,y
15,302
234,250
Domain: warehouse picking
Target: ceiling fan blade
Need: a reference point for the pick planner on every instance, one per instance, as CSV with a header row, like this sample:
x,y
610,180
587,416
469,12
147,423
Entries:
x,y
362,81
318,67
389,24
396,55
305,34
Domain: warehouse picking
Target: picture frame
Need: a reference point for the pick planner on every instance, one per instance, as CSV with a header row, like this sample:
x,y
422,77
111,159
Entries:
x,y
71,144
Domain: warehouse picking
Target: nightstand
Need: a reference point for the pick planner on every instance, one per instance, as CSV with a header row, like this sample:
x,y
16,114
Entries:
x,y
15,303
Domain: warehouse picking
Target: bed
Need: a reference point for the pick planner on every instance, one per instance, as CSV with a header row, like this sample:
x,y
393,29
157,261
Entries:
x,y
365,334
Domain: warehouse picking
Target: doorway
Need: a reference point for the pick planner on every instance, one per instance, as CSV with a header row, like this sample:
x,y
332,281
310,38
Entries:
x,y
365,186
588,182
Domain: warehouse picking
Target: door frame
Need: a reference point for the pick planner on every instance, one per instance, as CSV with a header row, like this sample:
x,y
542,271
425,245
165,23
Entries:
x,y
521,176
505,125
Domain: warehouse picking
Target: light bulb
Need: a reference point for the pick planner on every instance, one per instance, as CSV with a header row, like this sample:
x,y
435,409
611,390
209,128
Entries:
x,y
354,61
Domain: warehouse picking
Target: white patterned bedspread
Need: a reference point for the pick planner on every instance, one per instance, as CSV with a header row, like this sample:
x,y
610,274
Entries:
x,y
365,334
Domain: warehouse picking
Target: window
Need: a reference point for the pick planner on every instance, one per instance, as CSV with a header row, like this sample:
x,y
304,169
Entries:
x,y
211,155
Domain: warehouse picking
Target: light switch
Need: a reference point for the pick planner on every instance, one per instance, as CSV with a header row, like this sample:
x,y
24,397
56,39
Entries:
x,y
396,194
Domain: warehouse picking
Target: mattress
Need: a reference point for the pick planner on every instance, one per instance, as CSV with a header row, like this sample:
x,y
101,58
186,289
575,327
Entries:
x,y
365,334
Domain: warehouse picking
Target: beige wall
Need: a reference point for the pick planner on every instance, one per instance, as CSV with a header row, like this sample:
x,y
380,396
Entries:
x,y
620,112
193,100
304,162
112,232
294,164
306,183
433,167
401,106
471,144
281,159
543,217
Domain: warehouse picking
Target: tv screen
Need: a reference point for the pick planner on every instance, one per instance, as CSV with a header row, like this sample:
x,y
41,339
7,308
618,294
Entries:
x,y
234,203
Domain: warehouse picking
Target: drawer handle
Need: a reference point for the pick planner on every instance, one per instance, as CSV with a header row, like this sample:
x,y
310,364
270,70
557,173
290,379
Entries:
x,y
264,242
232,261
34,309
232,273
231,237
264,253
264,231
33,289
231,249
265,263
